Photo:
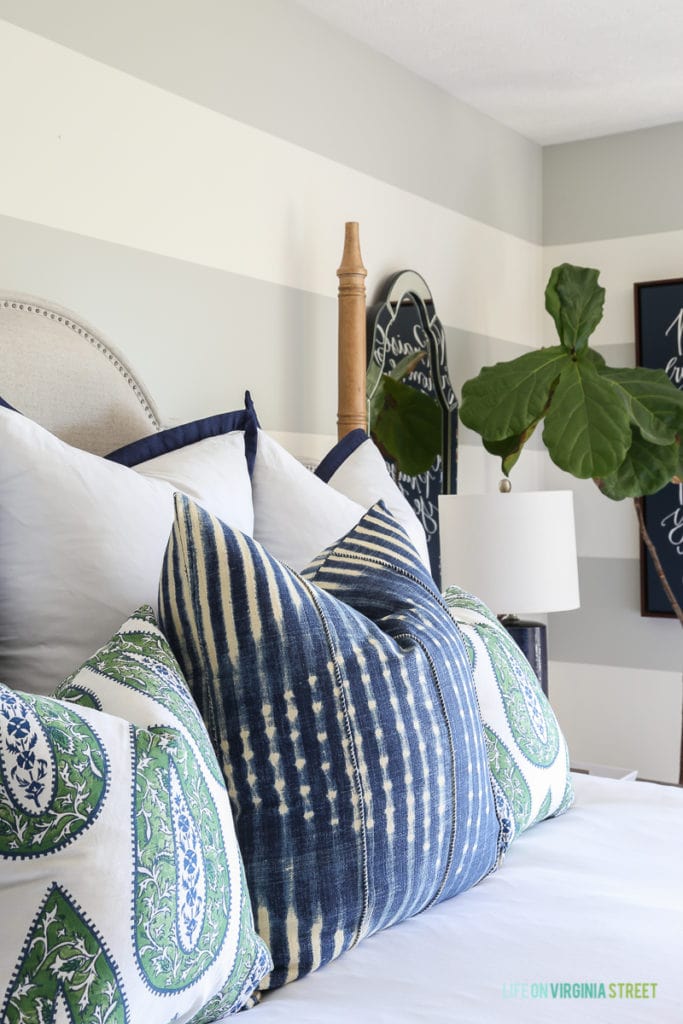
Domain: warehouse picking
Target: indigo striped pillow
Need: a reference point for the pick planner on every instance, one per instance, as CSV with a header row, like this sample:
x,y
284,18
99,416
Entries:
x,y
346,724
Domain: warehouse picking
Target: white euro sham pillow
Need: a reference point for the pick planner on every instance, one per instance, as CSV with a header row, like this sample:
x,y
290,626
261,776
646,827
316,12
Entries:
x,y
296,515
82,540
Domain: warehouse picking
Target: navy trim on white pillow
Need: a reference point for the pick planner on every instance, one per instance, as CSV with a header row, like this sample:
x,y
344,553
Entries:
x,y
249,406
6,405
340,453
173,438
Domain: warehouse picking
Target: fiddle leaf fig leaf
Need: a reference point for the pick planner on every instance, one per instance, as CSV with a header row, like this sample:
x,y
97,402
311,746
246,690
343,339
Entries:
x,y
655,405
552,299
593,356
375,385
677,478
510,449
587,428
646,469
503,400
575,301
408,426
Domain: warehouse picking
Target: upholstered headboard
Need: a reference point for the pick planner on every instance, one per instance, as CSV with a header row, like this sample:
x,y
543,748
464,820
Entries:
x,y
62,373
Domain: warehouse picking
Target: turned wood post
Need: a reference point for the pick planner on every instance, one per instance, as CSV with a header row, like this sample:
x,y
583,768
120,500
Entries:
x,y
352,411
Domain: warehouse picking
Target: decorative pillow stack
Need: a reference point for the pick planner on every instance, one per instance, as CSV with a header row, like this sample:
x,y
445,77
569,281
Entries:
x,y
347,726
82,539
527,752
122,894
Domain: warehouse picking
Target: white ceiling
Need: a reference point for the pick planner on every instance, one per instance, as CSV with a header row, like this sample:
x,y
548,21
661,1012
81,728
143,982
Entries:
x,y
553,70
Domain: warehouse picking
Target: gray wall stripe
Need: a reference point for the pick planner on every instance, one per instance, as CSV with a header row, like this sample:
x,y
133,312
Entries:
x,y
613,187
468,351
277,67
280,342
623,354
196,335
608,629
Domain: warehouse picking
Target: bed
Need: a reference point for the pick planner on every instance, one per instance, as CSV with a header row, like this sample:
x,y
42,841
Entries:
x,y
583,920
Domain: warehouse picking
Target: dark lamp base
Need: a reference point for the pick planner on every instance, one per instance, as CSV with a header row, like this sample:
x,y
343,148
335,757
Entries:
x,y
530,637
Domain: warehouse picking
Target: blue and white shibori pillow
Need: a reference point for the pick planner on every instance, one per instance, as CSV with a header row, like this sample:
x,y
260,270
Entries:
x,y
122,892
528,754
347,727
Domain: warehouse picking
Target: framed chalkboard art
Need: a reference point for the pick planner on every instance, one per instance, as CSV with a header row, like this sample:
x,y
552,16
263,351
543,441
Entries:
x,y
402,323
659,345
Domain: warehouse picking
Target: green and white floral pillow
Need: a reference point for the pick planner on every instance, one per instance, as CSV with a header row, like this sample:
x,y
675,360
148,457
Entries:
x,y
527,752
122,891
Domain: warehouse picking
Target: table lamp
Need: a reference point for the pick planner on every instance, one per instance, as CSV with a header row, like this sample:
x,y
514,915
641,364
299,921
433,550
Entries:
x,y
517,553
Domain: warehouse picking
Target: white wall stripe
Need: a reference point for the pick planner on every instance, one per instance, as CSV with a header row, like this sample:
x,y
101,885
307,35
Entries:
x,y
621,262
620,716
103,154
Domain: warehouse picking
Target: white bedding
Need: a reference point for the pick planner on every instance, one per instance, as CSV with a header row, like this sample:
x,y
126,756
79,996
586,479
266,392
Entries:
x,y
595,896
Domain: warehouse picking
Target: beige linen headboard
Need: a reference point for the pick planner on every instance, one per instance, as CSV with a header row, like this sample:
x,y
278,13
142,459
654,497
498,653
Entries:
x,y
62,373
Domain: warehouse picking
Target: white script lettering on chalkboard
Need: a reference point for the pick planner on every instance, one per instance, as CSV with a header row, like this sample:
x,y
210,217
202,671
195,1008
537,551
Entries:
x,y
677,322
673,524
674,367
674,371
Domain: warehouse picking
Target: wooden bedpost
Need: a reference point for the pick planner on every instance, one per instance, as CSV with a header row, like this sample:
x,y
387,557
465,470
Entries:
x,y
352,412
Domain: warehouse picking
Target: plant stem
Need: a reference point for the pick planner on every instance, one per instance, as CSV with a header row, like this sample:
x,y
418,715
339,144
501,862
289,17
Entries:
x,y
661,575
638,502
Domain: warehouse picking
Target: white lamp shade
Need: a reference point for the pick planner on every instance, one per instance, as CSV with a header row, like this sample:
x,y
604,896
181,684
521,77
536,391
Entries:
x,y
516,552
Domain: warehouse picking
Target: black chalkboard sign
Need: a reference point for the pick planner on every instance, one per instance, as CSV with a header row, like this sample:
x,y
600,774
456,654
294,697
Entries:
x,y
403,322
659,345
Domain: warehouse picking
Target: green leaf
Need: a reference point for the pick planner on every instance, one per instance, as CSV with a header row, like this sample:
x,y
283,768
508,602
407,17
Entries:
x,y
552,299
646,469
593,356
408,427
655,404
375,388
587,428
504,399
575,301
510,449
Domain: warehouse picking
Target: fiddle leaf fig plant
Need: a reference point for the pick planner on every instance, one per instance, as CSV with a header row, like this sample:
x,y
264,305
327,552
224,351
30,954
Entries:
x,y
620,427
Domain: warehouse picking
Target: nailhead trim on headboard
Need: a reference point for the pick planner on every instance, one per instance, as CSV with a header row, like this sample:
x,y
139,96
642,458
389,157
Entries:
x,y
95,342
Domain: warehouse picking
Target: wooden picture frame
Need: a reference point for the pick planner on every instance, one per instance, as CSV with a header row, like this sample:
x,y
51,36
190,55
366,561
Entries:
x,y
659,345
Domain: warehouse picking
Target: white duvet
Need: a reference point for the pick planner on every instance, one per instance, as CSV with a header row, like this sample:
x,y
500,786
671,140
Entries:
x,y
584,922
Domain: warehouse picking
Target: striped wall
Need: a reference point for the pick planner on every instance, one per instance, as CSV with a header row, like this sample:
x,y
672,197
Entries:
x,y
615,204
170,221
180,174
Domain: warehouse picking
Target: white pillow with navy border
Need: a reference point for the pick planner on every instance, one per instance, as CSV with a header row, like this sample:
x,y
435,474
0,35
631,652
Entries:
x,y
296,515
82,538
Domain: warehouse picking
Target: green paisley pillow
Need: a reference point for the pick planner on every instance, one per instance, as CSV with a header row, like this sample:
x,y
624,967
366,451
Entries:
x,y
122,892
528,756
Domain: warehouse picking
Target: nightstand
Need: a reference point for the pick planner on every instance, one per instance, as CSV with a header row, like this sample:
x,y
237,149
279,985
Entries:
x,y
605,771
